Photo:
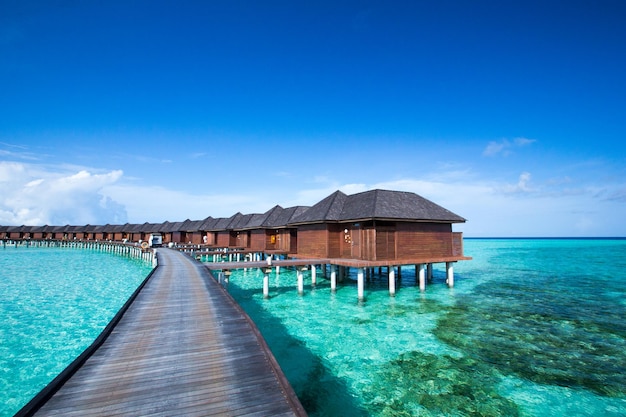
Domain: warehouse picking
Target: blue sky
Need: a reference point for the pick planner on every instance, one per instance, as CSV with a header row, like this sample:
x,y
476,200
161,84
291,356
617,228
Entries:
x,y
512,114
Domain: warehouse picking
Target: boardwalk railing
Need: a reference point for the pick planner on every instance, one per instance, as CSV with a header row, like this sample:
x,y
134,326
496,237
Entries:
x,y
120,248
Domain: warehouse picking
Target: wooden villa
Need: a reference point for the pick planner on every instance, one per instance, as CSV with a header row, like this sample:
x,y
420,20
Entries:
x,y
379,225
376,228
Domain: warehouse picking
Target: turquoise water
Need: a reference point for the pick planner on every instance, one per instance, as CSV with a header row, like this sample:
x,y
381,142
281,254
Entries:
x,y
53,303
533,327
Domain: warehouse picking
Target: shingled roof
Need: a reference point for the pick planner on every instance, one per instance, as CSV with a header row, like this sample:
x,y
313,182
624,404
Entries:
x,y
377,204
327,210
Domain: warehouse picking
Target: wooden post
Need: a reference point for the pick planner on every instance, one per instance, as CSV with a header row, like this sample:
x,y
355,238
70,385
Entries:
x,y
422,277
449,274
333,278
360,283
392,281
429,274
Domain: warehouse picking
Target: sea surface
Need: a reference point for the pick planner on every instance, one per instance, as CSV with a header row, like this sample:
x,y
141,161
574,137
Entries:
x,y
532,327
54,302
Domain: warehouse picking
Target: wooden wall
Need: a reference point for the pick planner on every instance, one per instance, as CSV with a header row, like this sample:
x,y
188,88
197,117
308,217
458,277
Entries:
x,y
417,240
223,238
457,244
258,240
313,241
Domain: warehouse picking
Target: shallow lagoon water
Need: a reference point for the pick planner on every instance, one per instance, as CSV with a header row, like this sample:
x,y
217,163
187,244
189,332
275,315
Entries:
x,y
53,303
533,327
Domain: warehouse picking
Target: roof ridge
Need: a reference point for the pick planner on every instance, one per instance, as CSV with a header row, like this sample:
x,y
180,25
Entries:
x,y
375,208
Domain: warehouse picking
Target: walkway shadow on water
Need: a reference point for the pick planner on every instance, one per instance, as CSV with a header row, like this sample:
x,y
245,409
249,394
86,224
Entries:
x,y
320,392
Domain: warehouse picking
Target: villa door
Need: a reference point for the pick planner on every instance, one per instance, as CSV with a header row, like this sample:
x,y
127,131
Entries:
x,y
356,242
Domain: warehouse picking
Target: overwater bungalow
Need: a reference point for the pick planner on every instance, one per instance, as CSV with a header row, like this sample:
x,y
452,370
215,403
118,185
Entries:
x,y
17,233
280,236
379,225
225,237
208,237
191,232
171,232
376,228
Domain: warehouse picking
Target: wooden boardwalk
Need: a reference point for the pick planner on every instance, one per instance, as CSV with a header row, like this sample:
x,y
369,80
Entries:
x,y
183,347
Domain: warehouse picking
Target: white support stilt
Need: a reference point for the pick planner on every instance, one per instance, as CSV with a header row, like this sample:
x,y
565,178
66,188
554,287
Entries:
x,y
313,275
449,274
333,278
266,284
392,281
300,281
360,283
277,269
422,277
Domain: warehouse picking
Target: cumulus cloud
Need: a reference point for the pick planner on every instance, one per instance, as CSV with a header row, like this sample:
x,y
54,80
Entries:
x,y
522,185
505,147
32,195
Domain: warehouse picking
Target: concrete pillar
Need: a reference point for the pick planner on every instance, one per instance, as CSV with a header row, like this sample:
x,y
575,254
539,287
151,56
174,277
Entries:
x,y
300,281
266,283
392,281
449,274
429,273
360,283
333,278
313,275
421,277
277,269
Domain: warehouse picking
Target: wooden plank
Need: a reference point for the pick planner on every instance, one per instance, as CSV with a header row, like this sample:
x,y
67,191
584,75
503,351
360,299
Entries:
x,y
183,347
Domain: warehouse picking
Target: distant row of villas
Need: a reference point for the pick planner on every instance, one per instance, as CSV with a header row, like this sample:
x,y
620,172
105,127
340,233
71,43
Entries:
x,y
377,227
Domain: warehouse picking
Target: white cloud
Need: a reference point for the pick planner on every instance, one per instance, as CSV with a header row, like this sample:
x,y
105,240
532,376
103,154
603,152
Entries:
x,y
522,185
503,209
31,195
524,141
156,204
505,147
37,194
494,148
